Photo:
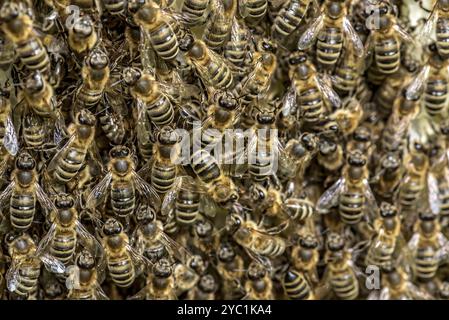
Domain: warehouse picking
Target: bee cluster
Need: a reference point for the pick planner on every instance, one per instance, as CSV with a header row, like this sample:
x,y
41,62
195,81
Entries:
x,y
333,118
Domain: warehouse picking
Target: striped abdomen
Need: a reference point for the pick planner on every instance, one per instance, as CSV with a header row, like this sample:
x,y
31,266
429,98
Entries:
x,y
426,263
347,78
216,33
187,207
442,35
443,196
380,253
435,96
299,209
387,56
329,47
160,111
33,55
115,6
121,270
255,10
27,280
409,194
216,73
194,11
163,176
262,165
344,284
89,97
311,104
296,286
123,198
63,245
289,18
205,166
113,127
34,132
164,41
69,164
22,210
351,207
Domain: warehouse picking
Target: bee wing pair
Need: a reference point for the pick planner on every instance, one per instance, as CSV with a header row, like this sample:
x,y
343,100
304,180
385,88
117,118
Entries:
x,y
100,191
331,196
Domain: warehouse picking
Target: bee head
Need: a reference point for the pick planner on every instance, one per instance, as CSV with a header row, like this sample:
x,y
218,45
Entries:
x,y
83,26
167,136
85,117
265,45
198,264
362,134
204,228
256,271
162,268
233,222
227,100
22,244
131,75
308,242
356,159
226,252
98,60
309,140
298,149
335,242
297,58
207,283
119,152
64,201
112,227
265,117
85,260
197,50
145,214
25,161
387,210
327,147
186,43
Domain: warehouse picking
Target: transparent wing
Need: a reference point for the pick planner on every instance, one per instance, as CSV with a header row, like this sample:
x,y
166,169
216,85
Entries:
x,y
417,293
426,32
413,242
137,258
99,294
331,196
402,33
99,192
46,240
54,160
170,197
416,86
12,276
385,294
289,102
309,36
44,200
5,195
88,241
73,280
52,264
147,190
371,204
261,259
354,37
434,194
10,139
325,87
176,250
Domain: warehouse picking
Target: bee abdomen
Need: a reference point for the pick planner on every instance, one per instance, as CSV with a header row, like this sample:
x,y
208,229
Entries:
x,y
387,56
312,105
163,177
113,129
194,10
187,207
205,166
345,285
435,96
351,207
115,6
256,9
164,42
33,55
27,280
442,36
215,36
63,246
23,206
288,19
161,111
426,263
123,199
296,286
121,270
69,165
329,47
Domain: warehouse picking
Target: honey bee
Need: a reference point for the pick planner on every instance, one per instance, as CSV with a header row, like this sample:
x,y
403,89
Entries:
x,y
83,281
158,30
23,274
230,266
260,244
39,95
433,79
396,285
188,275
211,68
34,131
69,160
330,155
388,233
95,74
205,290
305,257
340,272
313,92
122,261
113,122
347,73
120,184
289,18
385,42
18,28
151,100
426,246
349,116
258,285
257,82
195,11
66,233
389,175
7,131
220,187
351,192
160,284
413,185
219,24
151,240
82,35
22,193
205,236
331,30
437,21
236,49
296,286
